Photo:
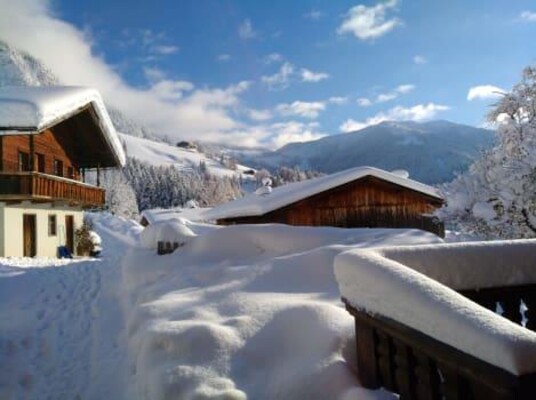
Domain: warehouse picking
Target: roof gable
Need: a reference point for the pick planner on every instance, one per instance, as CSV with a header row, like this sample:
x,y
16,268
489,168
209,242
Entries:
x,y
31,110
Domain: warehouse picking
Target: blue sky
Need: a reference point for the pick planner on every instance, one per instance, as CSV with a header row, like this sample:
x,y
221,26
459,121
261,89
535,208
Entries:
x,y
252,72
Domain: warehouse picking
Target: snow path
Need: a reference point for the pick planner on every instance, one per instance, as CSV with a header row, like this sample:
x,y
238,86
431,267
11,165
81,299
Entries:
x,y
61,328
241,312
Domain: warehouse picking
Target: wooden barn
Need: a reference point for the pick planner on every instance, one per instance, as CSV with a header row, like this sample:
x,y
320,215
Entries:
x,y
358,197
49,136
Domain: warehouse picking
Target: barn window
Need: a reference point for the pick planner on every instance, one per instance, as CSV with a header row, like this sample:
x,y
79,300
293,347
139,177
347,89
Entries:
x,y
40,161
58,167
24,161
52,225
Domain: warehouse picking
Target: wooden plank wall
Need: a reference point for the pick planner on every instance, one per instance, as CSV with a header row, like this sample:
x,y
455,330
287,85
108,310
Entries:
x,y
367,202
45,143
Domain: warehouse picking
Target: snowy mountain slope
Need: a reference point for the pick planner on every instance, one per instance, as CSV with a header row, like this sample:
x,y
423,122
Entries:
x,y
158,153
432,152
20,69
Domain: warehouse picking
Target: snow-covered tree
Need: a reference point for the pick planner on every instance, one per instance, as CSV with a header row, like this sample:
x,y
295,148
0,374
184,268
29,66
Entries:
x,y
167,186
496,198
120,196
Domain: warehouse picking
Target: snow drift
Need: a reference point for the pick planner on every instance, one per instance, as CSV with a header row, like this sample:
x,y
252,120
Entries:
x,y
246,312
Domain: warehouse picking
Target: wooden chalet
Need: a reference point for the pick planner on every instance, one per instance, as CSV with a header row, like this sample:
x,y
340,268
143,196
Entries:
x,y
358,197
49,138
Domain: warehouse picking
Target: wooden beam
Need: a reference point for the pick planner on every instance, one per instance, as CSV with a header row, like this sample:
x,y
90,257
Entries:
x,y
32,153
1,152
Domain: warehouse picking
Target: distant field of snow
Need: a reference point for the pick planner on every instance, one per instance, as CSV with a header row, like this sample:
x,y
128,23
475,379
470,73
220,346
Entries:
x,y
159,153
239,311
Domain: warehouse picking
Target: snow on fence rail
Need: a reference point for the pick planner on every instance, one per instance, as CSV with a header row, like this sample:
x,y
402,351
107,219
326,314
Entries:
x,y
420,331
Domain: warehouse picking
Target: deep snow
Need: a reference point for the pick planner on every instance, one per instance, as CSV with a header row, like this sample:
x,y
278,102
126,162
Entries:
x,y
238,312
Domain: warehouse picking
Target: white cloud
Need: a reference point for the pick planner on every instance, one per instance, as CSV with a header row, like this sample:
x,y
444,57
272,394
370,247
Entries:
x,y
310,76
259,115
387,96
164,50
419,112
153,74
281,79
223,57
273,58
484,92
368,23
152,42
276,135
292,131
169,90
528,16
364,102
384,97
350,125
164,88
393,94
170,107
338,100
245,30
419,60
302,109
403,89
314,15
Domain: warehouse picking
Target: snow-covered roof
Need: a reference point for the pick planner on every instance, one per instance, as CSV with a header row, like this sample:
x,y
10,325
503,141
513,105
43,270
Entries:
x,y
34,109
156,215
254,204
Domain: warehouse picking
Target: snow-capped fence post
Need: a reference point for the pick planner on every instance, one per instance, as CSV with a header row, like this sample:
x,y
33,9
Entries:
x,y
166,247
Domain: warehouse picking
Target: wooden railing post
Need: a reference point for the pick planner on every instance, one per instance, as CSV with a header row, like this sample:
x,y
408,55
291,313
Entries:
x,y
367,363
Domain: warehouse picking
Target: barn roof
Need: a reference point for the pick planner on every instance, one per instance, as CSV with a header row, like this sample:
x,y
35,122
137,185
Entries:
x,y
31,110
255,205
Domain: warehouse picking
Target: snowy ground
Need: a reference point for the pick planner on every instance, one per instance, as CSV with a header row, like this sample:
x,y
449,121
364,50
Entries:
x,y
239,312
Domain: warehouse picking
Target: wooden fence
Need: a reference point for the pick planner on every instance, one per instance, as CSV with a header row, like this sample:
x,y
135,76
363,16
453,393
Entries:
x,y
416,366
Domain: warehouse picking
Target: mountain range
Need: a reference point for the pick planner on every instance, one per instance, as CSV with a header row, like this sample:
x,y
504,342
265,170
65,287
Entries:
x,y
432,152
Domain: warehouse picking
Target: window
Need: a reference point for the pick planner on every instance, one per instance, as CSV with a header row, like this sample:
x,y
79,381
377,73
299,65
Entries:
x,y
52,225
24,161
40,161
70,172
58,167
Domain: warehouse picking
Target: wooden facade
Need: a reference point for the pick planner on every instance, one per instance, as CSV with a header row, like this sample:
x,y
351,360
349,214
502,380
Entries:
x,y
48,166
365,202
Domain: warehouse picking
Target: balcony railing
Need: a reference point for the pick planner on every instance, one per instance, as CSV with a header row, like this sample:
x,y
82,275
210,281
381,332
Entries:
x,y
36,186
417,337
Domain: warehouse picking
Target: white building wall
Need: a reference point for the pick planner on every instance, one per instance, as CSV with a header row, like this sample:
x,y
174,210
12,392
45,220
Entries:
x,y
11,227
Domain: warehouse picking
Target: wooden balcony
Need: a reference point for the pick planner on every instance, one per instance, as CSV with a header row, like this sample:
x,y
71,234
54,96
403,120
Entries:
x,y
39,187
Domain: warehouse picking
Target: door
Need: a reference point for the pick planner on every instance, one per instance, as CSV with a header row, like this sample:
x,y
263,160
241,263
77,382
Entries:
x,y
29,239
69,233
